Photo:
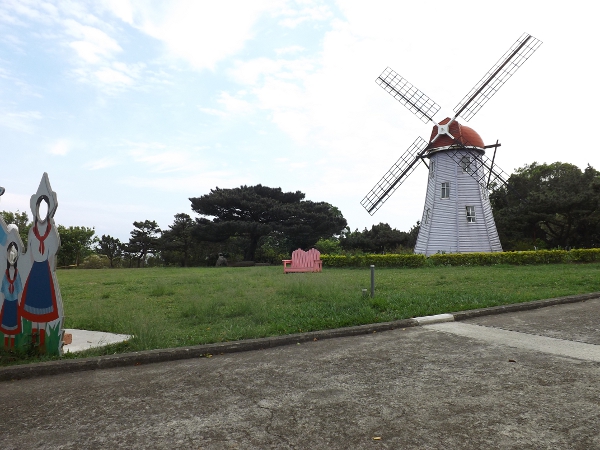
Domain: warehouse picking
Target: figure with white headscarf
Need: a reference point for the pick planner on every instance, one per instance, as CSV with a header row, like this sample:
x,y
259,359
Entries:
x,y
41,302
11,288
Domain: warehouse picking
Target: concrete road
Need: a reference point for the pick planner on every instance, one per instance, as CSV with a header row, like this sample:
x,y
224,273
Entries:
x,y
526,380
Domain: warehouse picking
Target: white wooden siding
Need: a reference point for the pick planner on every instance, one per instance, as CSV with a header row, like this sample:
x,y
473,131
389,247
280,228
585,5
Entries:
x,y
447,229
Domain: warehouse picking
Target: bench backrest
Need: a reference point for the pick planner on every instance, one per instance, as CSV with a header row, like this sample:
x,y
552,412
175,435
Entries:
x,y
302,259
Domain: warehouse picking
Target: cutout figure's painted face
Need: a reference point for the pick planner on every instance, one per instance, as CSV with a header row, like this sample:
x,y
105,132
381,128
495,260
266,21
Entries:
x,y
12,253
42,209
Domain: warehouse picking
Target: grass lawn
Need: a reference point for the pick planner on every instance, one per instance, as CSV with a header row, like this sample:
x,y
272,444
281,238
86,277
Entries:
x,y
170,307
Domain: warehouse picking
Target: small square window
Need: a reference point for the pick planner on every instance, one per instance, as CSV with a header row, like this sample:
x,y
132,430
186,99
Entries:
x,y
470,214
445,190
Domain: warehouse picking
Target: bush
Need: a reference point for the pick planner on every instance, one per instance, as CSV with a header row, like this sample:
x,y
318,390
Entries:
x,y
95,262
585,255
329,246
465,259
487,259
392,260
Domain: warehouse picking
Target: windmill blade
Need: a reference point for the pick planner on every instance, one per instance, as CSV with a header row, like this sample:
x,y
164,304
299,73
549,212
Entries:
x,y
497,76
394,177
415,100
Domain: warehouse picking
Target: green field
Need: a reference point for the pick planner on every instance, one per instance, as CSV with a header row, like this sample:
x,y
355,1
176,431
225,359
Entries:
x,y
170,307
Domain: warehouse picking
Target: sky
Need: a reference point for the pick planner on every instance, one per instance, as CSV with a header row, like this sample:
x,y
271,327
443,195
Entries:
x,y
132,107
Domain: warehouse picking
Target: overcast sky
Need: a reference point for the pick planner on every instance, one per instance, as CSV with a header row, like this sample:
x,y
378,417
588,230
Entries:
x,y
132,107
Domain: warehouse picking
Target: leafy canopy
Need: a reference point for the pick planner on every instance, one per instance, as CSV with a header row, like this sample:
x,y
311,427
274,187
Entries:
x,y
549,205
75,244
144,240
256,211
381,238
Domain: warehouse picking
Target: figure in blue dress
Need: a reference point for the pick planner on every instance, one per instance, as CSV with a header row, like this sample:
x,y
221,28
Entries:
x,y
41,302
11,288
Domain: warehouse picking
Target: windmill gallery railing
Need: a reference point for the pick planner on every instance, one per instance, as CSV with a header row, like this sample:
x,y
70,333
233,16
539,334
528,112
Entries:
x,y
31,310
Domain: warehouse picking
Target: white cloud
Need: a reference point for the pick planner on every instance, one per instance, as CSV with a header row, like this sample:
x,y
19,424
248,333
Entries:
x,y
39,11
161,158
250,72
110,76
123,9
201,33
92,44
20,121
304,11
234,105
86,51
289,50
190,185
263,69
102,163
60,147
213,111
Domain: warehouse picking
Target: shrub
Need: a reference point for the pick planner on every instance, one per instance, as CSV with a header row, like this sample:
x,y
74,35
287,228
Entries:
x,y
487,259
465,259
95,262
392,260
585,255
329,246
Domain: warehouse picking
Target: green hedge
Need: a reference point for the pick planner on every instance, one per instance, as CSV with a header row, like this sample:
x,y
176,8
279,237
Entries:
x,y
392,260
465,259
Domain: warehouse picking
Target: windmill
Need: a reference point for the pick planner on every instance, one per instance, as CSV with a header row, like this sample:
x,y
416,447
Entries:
x,y
457,216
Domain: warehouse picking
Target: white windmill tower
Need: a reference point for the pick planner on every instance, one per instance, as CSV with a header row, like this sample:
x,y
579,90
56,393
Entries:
x,y
457,216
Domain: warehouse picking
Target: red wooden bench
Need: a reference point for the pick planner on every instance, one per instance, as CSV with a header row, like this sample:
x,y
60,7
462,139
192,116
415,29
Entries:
x,y
302,261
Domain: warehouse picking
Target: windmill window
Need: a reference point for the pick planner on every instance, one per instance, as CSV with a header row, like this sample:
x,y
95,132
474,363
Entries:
x,y
465,163
431,169
445,190
470,214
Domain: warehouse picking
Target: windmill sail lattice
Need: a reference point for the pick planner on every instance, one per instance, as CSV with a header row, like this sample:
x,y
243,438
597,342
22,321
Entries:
x,y
394,177
408,95
497,76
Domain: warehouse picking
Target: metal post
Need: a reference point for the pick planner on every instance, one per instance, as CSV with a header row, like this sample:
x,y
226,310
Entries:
x,y
372,281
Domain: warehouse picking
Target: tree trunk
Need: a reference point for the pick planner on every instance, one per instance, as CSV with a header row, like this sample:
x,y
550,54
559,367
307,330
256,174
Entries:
x,y
251,250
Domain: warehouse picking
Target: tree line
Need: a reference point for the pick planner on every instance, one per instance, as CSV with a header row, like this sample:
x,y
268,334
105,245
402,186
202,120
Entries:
x,y
541,206
548,206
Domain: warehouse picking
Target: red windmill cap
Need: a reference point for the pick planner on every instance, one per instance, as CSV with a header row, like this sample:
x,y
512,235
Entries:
x,y
464,136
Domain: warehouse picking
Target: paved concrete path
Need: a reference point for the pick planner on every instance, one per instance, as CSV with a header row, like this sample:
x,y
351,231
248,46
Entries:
x,y
526,380
84,339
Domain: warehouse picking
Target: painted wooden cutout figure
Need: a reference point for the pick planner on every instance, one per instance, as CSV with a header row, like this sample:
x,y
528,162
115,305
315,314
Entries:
x,y
41,302
11,287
